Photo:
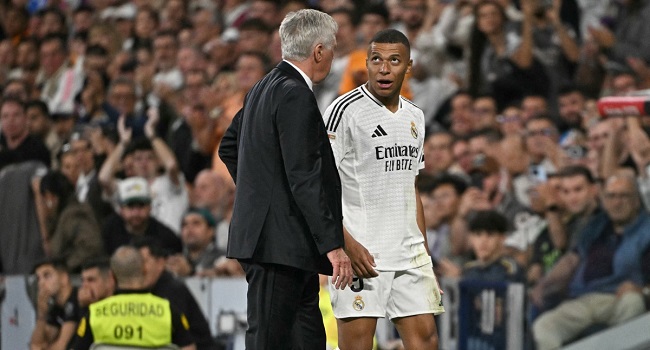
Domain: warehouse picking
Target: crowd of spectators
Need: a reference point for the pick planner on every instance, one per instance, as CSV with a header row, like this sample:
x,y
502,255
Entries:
x,y
112,112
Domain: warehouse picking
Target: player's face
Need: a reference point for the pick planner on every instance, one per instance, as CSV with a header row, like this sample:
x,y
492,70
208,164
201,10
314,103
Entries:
x,y
388,64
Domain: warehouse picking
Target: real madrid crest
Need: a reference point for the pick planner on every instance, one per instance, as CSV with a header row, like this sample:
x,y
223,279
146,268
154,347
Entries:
x,y
358,303
414,130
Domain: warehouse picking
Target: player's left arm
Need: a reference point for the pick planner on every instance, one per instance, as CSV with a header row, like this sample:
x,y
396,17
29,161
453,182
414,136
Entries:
x,y
420,217
422,227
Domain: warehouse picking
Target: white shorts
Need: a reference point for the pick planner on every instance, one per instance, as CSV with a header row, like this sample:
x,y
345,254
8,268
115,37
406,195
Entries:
x,y
392,293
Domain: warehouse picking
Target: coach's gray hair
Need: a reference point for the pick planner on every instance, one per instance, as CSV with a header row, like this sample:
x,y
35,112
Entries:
x,y
302,30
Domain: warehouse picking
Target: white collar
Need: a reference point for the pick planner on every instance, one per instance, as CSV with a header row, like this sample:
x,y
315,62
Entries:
x,y
304,76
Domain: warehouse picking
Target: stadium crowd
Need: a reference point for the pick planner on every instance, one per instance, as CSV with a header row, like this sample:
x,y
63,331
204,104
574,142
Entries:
x,y
112,112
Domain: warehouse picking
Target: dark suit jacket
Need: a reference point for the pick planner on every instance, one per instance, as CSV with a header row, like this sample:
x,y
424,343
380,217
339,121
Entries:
x,y
288,199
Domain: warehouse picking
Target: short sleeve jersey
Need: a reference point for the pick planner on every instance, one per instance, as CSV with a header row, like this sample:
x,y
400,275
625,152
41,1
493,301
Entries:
x,y
378,154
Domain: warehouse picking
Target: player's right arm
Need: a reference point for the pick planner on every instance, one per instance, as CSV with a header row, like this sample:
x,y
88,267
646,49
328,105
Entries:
x,y
363,263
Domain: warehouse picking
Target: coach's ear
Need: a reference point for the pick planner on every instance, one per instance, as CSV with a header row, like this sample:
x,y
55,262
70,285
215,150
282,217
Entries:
x,y
318,53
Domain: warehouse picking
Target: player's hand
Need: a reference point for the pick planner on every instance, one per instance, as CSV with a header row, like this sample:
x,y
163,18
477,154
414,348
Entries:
x,y
342,274
363,263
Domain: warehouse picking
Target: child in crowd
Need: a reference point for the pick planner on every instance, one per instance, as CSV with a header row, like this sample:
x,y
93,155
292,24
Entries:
x,y
487,236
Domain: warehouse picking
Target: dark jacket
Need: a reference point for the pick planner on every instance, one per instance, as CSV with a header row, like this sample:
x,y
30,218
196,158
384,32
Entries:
x,y
288,199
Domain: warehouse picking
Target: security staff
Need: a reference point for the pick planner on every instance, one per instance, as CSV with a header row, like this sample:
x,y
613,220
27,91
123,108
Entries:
x,y
132,317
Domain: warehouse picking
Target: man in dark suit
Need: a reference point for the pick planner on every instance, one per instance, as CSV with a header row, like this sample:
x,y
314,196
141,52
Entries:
x,y
287,224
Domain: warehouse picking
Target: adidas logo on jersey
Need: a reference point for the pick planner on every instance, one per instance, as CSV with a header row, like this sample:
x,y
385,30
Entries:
x,y
379,132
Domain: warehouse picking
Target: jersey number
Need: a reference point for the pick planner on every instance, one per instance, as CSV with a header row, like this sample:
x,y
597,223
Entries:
x,y
127,332
357,284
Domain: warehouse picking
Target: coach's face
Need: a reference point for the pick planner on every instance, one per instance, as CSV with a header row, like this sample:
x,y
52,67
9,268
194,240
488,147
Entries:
x,y
323,57
387,65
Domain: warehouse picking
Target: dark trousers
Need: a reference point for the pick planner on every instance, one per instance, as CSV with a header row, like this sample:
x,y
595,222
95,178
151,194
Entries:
x,y
283,311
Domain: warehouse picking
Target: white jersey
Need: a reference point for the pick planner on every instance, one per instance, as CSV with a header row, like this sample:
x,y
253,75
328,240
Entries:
x,y
378,154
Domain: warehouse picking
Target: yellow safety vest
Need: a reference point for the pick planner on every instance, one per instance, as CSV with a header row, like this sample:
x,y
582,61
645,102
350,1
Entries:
x,y
142,320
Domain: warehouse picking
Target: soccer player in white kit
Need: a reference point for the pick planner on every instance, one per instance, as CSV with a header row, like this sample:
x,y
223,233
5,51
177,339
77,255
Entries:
x,y
377,137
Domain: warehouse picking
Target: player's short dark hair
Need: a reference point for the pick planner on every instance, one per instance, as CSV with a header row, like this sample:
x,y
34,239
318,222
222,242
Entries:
x,y
577,170
489,221
391,36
